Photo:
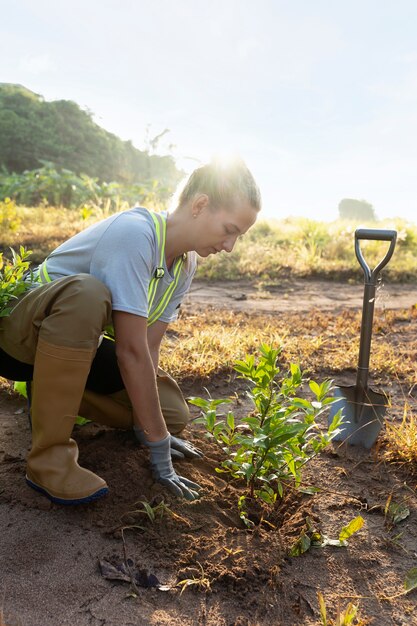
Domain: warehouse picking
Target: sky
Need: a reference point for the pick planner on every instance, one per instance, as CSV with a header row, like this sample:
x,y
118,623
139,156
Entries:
x,y
319,97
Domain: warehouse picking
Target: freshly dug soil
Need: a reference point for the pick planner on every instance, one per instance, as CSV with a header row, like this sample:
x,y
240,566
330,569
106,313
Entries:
x,y
50,556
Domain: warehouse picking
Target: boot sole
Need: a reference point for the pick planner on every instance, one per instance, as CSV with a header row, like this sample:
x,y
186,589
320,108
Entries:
x,y
94,496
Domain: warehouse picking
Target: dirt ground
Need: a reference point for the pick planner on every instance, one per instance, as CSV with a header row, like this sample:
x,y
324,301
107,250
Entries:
x,y
50,555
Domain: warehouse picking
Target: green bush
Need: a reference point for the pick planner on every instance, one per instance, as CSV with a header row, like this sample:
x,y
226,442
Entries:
x,y
12,283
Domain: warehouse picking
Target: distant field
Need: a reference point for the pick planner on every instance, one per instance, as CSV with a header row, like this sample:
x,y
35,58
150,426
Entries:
x,y
271,250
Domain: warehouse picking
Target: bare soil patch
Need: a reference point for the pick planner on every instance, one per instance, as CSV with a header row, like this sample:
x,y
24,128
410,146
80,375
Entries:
x,y
50,555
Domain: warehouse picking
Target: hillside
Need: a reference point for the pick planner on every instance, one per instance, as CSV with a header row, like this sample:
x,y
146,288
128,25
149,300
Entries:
x,y
34,131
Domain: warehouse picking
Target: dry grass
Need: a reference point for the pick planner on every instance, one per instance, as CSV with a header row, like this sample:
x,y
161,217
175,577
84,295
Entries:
x,y
269,251
43,229
401,439
205,343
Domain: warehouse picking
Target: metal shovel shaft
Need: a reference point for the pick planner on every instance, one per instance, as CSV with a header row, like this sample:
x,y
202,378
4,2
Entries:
x,y
365,339
371,277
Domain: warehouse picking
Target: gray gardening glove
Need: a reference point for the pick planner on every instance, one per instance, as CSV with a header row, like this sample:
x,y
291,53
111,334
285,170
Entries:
x,y
179,448
165,474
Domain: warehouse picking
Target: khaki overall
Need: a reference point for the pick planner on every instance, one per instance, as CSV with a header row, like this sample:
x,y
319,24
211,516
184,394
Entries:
x,y
57,328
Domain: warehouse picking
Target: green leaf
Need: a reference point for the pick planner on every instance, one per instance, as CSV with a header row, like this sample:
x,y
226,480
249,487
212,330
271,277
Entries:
x,y
353,527
301,402
230,420
309,490
20,387
397,512
314,388
198,401
253,422
322,606
82,421
302,544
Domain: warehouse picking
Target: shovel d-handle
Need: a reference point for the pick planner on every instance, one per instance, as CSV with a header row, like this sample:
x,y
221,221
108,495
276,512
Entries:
x,y
371,277
374,234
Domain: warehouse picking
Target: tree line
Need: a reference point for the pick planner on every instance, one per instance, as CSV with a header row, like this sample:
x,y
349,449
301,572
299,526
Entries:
x,y
34,132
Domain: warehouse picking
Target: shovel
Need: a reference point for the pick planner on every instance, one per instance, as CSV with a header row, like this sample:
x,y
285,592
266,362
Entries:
x,y
362,408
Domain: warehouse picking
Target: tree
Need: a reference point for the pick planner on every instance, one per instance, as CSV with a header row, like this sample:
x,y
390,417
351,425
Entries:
x,y
33,132
350,209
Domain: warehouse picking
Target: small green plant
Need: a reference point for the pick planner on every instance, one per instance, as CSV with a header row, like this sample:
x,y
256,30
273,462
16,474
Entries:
x,y
154,513
269,448
343,618
243,513
12,279
395,512
313,538
86,212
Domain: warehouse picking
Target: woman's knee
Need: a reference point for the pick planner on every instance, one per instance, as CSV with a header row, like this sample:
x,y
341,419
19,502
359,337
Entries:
x,y
88,297
174,407
79,311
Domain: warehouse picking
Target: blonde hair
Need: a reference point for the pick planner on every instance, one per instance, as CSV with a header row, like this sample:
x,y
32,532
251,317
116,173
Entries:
x,y
224,183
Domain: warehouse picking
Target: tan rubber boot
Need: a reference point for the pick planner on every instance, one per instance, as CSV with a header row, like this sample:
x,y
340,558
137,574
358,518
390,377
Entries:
x,y
58,384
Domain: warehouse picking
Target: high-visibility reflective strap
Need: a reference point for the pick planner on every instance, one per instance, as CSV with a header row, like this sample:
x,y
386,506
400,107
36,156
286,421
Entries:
x,y
43,276
163,303
160,229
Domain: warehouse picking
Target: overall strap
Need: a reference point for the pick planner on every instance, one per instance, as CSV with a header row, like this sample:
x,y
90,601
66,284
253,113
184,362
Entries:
x,y
43,276
160,229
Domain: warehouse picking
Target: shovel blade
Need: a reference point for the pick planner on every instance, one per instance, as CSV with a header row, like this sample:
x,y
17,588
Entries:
x,y
361,421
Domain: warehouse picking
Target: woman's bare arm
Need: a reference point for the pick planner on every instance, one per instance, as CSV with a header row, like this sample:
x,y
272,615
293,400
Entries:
x,y
138,372
155,334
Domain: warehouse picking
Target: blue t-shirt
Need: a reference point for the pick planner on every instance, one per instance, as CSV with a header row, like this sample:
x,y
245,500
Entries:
x,y
122,252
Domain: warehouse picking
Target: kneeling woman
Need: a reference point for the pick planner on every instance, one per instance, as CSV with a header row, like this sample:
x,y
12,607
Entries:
x,y
129,272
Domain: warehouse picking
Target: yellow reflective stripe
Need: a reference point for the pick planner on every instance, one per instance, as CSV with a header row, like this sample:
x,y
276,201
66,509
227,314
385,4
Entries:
x,y
162,305
160,224
43,273
151,292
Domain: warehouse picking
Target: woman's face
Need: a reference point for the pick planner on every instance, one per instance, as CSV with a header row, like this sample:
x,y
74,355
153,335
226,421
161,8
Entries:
x,y
218,229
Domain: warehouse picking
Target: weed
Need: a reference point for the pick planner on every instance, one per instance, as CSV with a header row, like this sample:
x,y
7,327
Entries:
x,y
12,279
10,217
346,617
410,583
243,513
402,438
200,581
312,538
231,551
153,513
395,512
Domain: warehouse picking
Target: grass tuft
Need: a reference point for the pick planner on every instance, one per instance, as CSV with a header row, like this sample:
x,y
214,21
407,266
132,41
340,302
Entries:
x,y
401,438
